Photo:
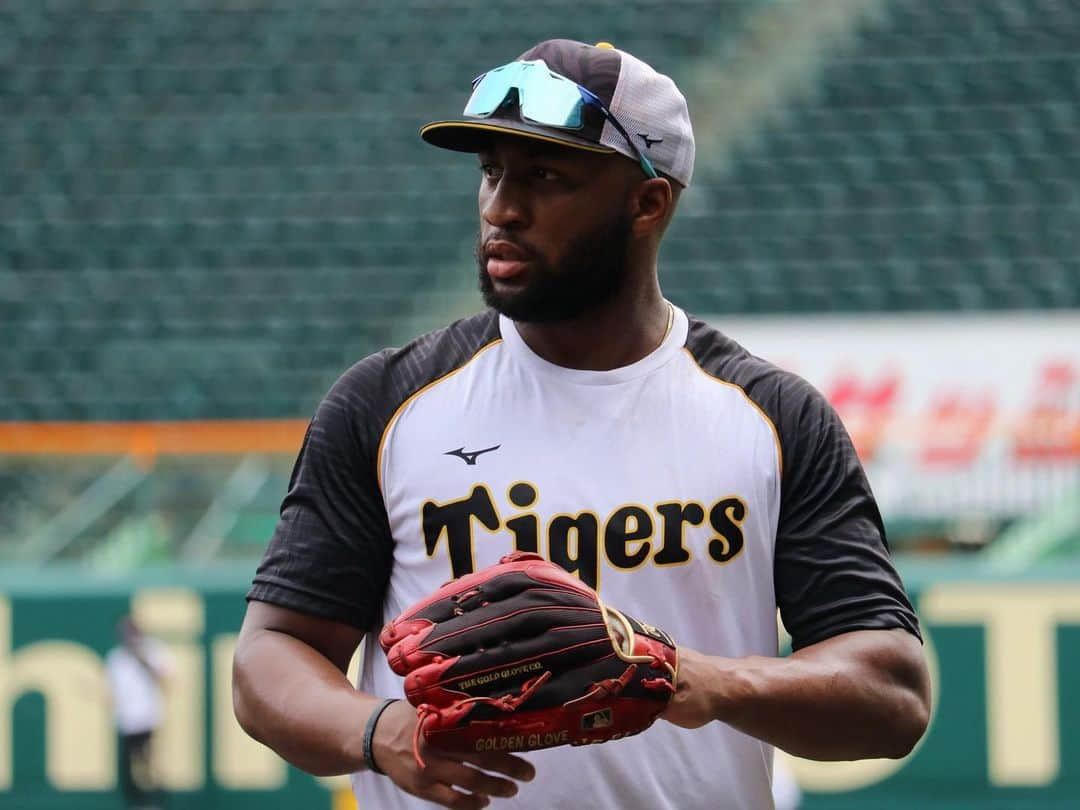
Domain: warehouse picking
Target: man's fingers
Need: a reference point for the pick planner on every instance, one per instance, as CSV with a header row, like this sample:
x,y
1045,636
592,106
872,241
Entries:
x,y
465,780
507,764
464,775
454,799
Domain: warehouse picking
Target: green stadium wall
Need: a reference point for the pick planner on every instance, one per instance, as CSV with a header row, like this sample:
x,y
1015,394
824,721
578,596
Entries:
x,y
1005,731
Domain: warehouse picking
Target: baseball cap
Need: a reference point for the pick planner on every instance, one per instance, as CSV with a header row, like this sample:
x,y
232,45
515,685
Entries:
x,y
653,119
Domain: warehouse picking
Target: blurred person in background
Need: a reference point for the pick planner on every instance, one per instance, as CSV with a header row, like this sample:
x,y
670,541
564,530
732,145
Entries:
x,y
137,669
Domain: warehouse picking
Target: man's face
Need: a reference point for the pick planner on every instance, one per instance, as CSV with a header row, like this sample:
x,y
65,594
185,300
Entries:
x,y
554,233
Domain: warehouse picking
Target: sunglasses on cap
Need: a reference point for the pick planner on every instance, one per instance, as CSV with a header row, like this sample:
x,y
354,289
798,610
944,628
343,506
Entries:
x,y
544,98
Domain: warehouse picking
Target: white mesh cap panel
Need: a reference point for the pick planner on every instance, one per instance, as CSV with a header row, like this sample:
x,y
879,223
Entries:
x,y
648,103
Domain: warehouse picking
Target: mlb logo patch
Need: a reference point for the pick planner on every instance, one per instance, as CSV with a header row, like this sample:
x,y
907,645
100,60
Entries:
x,y
595,720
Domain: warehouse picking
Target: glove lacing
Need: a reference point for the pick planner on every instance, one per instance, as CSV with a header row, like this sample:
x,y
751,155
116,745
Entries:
x,y
506,703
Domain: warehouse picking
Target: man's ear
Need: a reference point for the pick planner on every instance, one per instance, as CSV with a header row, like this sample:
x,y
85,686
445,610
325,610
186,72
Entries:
x,y
651,207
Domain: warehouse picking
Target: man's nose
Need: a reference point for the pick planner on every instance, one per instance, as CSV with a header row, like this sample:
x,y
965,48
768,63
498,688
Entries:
x,y
504,206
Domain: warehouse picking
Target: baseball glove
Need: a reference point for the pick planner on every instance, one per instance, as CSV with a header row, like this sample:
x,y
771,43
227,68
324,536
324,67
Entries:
x,y
522,656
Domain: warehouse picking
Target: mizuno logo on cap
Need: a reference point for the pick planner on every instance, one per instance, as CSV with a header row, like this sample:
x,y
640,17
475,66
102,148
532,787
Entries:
x,y
649,141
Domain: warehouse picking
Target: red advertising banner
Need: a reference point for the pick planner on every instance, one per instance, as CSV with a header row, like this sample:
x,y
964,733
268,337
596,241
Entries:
x,y
949,413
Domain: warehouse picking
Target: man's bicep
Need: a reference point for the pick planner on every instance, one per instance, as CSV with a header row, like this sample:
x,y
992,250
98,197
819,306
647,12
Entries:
x,y
832,569
839,581
332,550
335,640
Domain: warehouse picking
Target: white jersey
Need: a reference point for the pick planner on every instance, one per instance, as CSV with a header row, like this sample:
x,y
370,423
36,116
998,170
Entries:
x,y
698,489
135,685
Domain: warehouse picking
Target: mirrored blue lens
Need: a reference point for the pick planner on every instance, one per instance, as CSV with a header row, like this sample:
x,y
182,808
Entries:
x,y
543,97
550,99
492,88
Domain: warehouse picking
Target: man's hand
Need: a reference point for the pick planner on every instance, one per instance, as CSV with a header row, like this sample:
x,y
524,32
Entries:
x,y
462,781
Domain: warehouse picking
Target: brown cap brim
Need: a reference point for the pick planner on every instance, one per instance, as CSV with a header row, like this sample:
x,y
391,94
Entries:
x,y
470,136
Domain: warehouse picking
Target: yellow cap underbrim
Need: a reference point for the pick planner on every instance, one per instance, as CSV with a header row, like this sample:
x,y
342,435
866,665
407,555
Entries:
x,y
466,136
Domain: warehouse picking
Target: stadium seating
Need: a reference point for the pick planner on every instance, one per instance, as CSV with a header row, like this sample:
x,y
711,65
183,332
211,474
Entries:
x,y
209,210
937,167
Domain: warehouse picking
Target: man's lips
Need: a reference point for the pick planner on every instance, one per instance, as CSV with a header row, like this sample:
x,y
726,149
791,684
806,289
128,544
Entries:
x,y
503,269
504,259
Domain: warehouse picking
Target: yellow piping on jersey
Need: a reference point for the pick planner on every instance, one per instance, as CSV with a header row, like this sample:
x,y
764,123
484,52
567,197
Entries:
x,y
754,405
414,395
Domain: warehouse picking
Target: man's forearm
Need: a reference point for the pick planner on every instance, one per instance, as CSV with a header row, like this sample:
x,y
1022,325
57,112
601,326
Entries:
x,y
292,699
859,695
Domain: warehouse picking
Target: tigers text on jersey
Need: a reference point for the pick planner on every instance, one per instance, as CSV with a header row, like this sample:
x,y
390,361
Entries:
x,y
698,489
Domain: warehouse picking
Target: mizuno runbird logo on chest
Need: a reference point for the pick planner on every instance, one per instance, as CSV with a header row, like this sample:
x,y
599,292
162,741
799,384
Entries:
x,y
470,456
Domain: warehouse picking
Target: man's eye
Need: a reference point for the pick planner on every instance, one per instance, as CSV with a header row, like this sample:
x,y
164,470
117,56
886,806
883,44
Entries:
x,y
544,174
488,170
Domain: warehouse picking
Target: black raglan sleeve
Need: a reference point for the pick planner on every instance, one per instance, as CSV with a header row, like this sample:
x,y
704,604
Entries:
x,y
832,568
332,550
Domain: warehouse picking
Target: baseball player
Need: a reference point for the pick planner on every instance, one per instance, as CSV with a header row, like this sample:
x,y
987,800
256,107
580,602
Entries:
x,y
583,417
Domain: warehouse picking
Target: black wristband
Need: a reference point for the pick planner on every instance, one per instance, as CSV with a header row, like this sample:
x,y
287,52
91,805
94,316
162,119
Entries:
x,y
369,734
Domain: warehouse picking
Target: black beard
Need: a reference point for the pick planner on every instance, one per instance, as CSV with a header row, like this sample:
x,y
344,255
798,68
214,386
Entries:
x,y
592,274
